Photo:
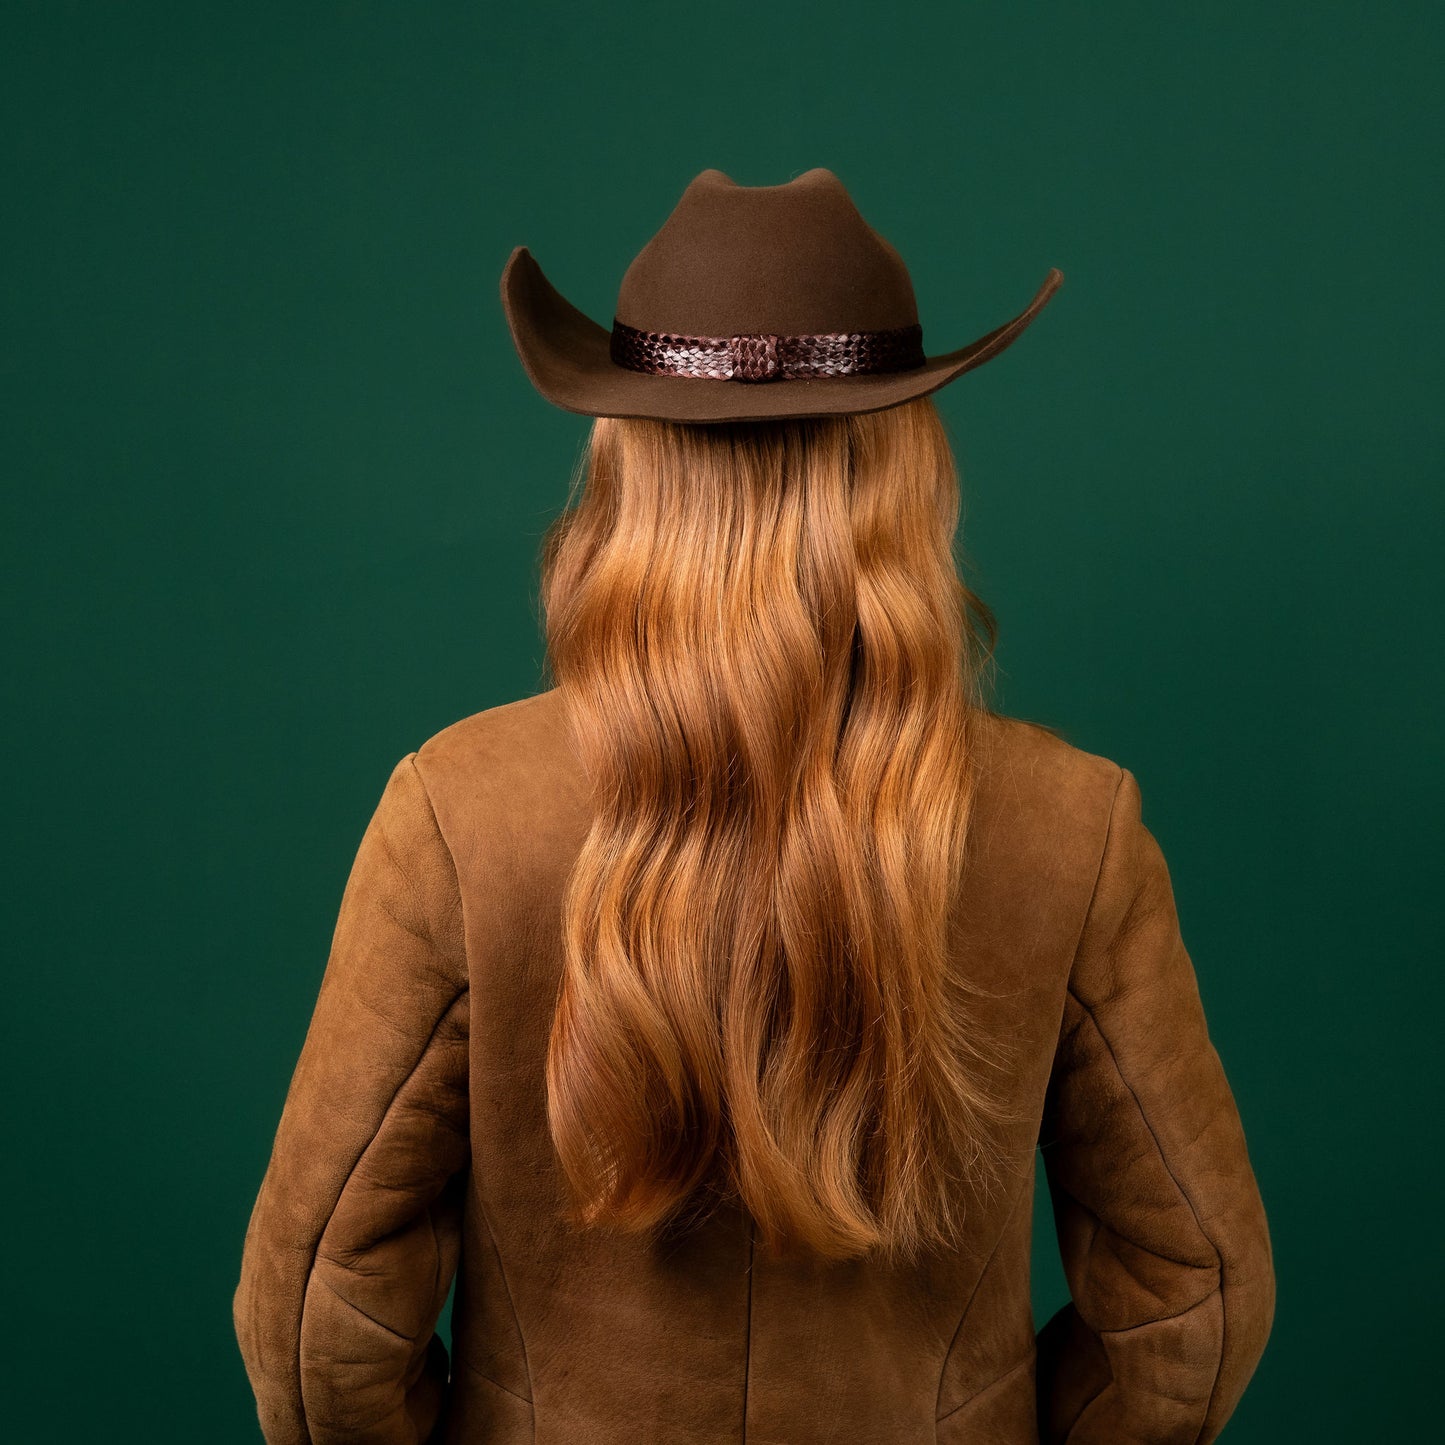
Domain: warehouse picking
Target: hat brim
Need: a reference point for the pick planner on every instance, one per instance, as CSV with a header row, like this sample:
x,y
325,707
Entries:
x,y
567,357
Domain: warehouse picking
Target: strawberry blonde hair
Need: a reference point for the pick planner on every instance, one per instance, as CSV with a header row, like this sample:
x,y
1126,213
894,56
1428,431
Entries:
x,y
769,662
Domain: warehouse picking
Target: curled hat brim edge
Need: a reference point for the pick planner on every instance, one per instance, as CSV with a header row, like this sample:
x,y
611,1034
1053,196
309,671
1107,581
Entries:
x,y
567,357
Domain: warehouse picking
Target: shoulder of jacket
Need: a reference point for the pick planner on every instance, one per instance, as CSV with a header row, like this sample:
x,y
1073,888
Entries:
x,y
1022,752
506,766
1042,804
494,735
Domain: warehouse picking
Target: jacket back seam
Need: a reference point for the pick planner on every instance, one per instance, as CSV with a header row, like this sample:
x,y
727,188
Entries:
x,y
530,1397
972,1296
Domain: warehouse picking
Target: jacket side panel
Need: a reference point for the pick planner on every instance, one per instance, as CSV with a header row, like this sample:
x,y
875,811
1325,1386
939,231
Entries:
x,y
876,1353
1040,820
601,1337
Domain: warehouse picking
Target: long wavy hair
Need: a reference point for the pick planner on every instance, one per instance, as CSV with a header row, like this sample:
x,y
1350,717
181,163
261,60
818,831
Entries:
x,y
769,663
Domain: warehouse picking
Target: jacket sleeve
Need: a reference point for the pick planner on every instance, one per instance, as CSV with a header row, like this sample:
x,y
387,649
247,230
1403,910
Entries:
x,y
1160,1223
354,1237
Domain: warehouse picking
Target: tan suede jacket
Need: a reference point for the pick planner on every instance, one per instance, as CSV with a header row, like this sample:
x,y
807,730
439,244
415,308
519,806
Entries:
x,y
413,1147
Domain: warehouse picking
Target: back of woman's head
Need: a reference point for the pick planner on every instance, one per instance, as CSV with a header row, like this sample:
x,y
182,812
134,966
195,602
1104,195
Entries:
x,y
770,664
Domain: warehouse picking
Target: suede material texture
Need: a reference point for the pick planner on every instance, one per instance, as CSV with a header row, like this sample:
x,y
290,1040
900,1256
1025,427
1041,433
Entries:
x,y
413,1147
795,258
730,260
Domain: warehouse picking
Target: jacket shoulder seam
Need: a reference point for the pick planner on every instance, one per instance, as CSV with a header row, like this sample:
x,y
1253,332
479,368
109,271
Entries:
x,y
1098,871
411,761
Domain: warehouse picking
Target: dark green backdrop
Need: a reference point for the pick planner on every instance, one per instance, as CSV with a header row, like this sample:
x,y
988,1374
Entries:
x,y
274,483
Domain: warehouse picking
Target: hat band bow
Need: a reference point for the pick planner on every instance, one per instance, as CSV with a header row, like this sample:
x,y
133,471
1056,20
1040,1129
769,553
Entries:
x,y
766,356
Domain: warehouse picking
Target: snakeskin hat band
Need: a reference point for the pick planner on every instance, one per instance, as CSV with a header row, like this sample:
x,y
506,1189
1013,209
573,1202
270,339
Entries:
x,y
784,284
766,357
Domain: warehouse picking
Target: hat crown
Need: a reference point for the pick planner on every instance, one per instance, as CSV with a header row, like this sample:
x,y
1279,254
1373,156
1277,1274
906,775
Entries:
x,y
795,258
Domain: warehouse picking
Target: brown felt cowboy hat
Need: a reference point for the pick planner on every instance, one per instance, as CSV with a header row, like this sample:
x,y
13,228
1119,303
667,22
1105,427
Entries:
x,y
751,302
